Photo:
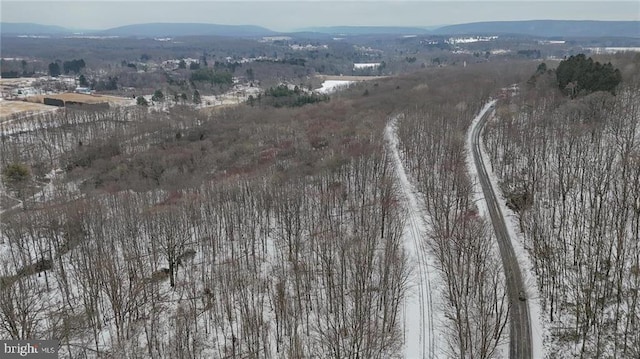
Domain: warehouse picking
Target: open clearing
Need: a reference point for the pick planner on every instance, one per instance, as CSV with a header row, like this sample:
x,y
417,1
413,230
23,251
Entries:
x,y
82,98
349,78
34,104
423,309
10,108
7,85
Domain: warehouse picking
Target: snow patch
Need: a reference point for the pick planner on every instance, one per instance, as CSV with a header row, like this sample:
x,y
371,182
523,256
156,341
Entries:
x,y
330,86
371,65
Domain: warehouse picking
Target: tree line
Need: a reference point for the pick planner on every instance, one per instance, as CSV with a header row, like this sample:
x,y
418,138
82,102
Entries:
x,y
74,66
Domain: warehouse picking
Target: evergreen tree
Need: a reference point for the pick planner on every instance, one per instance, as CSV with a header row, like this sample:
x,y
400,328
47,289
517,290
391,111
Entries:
x,y
583,75
73,65
54,69
83,81
158,96
196,97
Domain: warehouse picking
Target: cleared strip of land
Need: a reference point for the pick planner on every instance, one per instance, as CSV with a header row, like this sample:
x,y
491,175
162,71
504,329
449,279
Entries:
x,y
350,78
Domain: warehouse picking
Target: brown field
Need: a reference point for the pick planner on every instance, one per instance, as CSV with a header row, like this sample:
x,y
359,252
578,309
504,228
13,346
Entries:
x,y
82,98
34,104
20,81
8,108
215,109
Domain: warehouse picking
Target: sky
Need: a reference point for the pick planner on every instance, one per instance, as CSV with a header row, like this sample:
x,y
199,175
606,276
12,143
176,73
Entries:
x,y
300,14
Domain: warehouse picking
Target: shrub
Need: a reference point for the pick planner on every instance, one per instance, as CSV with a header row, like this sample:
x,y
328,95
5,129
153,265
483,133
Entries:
x,y
140,100
16,173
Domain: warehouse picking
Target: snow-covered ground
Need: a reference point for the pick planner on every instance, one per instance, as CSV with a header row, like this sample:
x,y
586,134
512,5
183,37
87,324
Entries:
x,y
423,314
330,86
372,65
539,329
238,94
469,40
612,50
307,47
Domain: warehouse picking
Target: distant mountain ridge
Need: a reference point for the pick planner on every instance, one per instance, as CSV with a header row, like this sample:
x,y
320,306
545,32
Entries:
x,y
547,28
24,28
142,30
368,30
541,28
187,29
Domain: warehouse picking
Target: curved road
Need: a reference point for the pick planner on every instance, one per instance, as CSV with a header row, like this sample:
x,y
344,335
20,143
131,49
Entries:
x,y
520,328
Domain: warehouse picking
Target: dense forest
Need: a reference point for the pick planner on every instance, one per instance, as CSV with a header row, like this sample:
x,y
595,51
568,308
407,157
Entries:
x,y
275,228
569,168
250,231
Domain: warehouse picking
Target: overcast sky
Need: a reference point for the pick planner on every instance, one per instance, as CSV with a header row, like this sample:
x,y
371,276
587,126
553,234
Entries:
x,y
292,15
